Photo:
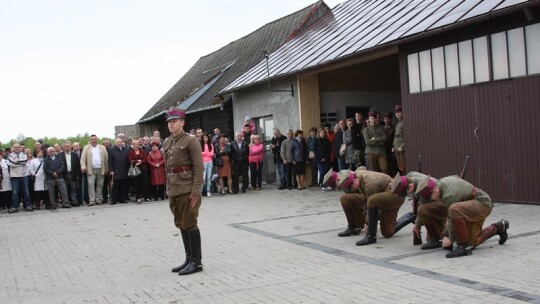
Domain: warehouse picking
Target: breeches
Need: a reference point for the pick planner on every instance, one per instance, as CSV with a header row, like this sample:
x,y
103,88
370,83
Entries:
x,y
185,217
474,213
433,215
353,206
388,204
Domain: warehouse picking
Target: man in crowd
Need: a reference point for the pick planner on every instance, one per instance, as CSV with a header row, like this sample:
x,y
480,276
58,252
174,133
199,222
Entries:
x,y
359,144
72,172
277,141
82,187
286,156
118,168
240,162
94,162
375,137
215,138
17,161
54,169
399,141
184,167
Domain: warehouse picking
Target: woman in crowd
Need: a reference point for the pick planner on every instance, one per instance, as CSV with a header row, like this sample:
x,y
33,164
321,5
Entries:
x,y
321,148
208,157
137,157
38,175
156,161
30,156
5,184
299,153
256,156
348,140
223,151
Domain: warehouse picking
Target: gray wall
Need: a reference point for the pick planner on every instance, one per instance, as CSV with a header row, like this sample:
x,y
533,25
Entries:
x,y
257,101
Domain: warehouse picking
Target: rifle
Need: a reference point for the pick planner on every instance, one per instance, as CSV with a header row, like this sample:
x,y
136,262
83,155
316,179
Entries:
x,y
465,167
417,238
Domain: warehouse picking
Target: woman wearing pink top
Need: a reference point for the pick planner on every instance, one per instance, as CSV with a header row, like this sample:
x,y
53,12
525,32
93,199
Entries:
x,y
256,156
208,156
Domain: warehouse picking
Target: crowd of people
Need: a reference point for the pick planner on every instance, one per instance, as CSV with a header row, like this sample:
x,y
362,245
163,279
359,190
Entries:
x,y
55,175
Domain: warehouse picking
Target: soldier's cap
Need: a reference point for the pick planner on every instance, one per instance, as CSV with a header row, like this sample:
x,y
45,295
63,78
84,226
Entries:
x,y
399,184
372,114
388,114
346,178
425,187
176,113
330,178
398,108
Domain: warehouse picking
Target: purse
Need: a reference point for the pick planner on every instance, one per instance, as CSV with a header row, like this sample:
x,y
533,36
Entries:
x,y
134,171
218,161
311,155
343,150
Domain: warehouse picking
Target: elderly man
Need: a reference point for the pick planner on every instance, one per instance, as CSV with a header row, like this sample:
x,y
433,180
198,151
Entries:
x,y
286,156
54,169
94,162
118,168
277,141
72,172
240,165
468,207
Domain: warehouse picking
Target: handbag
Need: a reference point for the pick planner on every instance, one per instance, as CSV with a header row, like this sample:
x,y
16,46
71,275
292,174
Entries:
x,y
134,171
343,150
218,161
311,155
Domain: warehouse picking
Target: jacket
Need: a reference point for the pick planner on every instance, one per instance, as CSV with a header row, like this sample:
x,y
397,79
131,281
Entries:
x,y
299,150
375,138
239,154
133,158
51,166
156,162
75,166
17,164
183,150
119,162
321,148
256,153
86,159
285,152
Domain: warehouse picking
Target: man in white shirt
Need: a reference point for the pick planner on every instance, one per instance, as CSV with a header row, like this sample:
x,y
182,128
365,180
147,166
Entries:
x,y
94,161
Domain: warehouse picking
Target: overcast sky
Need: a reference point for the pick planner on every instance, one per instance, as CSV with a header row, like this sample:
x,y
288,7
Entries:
x,y
68,67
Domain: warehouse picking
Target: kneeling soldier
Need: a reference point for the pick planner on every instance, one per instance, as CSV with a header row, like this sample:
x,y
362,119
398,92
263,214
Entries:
x,y
352,204
468,207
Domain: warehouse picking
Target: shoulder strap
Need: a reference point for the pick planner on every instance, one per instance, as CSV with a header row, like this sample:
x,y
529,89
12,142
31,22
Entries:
x,y
40,163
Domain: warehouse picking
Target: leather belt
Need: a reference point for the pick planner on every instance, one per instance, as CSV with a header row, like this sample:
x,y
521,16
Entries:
x,y
474,193
180,169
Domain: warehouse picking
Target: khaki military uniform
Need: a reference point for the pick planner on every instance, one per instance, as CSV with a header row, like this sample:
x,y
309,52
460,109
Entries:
x,y
463,199
375,138
399,142
432,214
184,169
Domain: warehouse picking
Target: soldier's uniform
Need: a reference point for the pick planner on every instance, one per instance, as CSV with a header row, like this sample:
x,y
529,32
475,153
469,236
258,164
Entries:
x,y
375,138
373,188
399,142
184,169
468,207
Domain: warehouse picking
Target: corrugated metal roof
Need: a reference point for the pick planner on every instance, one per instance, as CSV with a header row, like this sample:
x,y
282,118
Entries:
x,y
358,26
196,87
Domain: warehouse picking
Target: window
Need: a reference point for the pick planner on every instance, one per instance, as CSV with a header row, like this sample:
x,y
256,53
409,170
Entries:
x,y
437,58
466,66
414,73
481,59
499,59
532,38
426,81
452,65
516,52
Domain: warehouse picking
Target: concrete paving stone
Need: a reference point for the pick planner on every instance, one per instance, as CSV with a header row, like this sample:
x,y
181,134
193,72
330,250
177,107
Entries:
x,y
268,246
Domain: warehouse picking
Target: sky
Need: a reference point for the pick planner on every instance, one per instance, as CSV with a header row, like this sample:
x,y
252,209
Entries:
x,y
70,67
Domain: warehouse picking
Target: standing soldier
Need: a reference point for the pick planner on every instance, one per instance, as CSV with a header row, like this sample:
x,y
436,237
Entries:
x,y
399,141
184,167
375,137
468,208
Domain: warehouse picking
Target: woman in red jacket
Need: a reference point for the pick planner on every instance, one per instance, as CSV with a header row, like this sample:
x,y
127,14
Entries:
x,y
156,162
137,157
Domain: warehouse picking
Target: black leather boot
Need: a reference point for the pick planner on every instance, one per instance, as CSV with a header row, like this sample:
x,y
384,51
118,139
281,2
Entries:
x,y
502,227
431,244
371,234
351,230
404,220
185,239
194,264
462,248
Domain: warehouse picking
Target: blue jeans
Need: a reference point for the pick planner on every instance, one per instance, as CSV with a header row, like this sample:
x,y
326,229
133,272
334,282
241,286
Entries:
x,y
321,168
19,184
280,169
207,175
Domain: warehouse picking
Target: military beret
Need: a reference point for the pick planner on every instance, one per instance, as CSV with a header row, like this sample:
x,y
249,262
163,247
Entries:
x,y
388,114
176,113
425,187
330,178
399,183
398,108
346,178
372,114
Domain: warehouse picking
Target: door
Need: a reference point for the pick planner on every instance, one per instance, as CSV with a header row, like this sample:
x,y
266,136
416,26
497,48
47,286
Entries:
x,y
265,127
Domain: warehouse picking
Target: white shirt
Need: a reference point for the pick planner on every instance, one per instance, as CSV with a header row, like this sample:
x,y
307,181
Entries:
x,y
96,159
68,161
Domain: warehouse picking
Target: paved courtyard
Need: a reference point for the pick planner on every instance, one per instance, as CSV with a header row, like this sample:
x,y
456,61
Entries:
x,y
265,246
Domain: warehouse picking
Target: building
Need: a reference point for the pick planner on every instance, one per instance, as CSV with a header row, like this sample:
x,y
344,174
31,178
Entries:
x,y
465,72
